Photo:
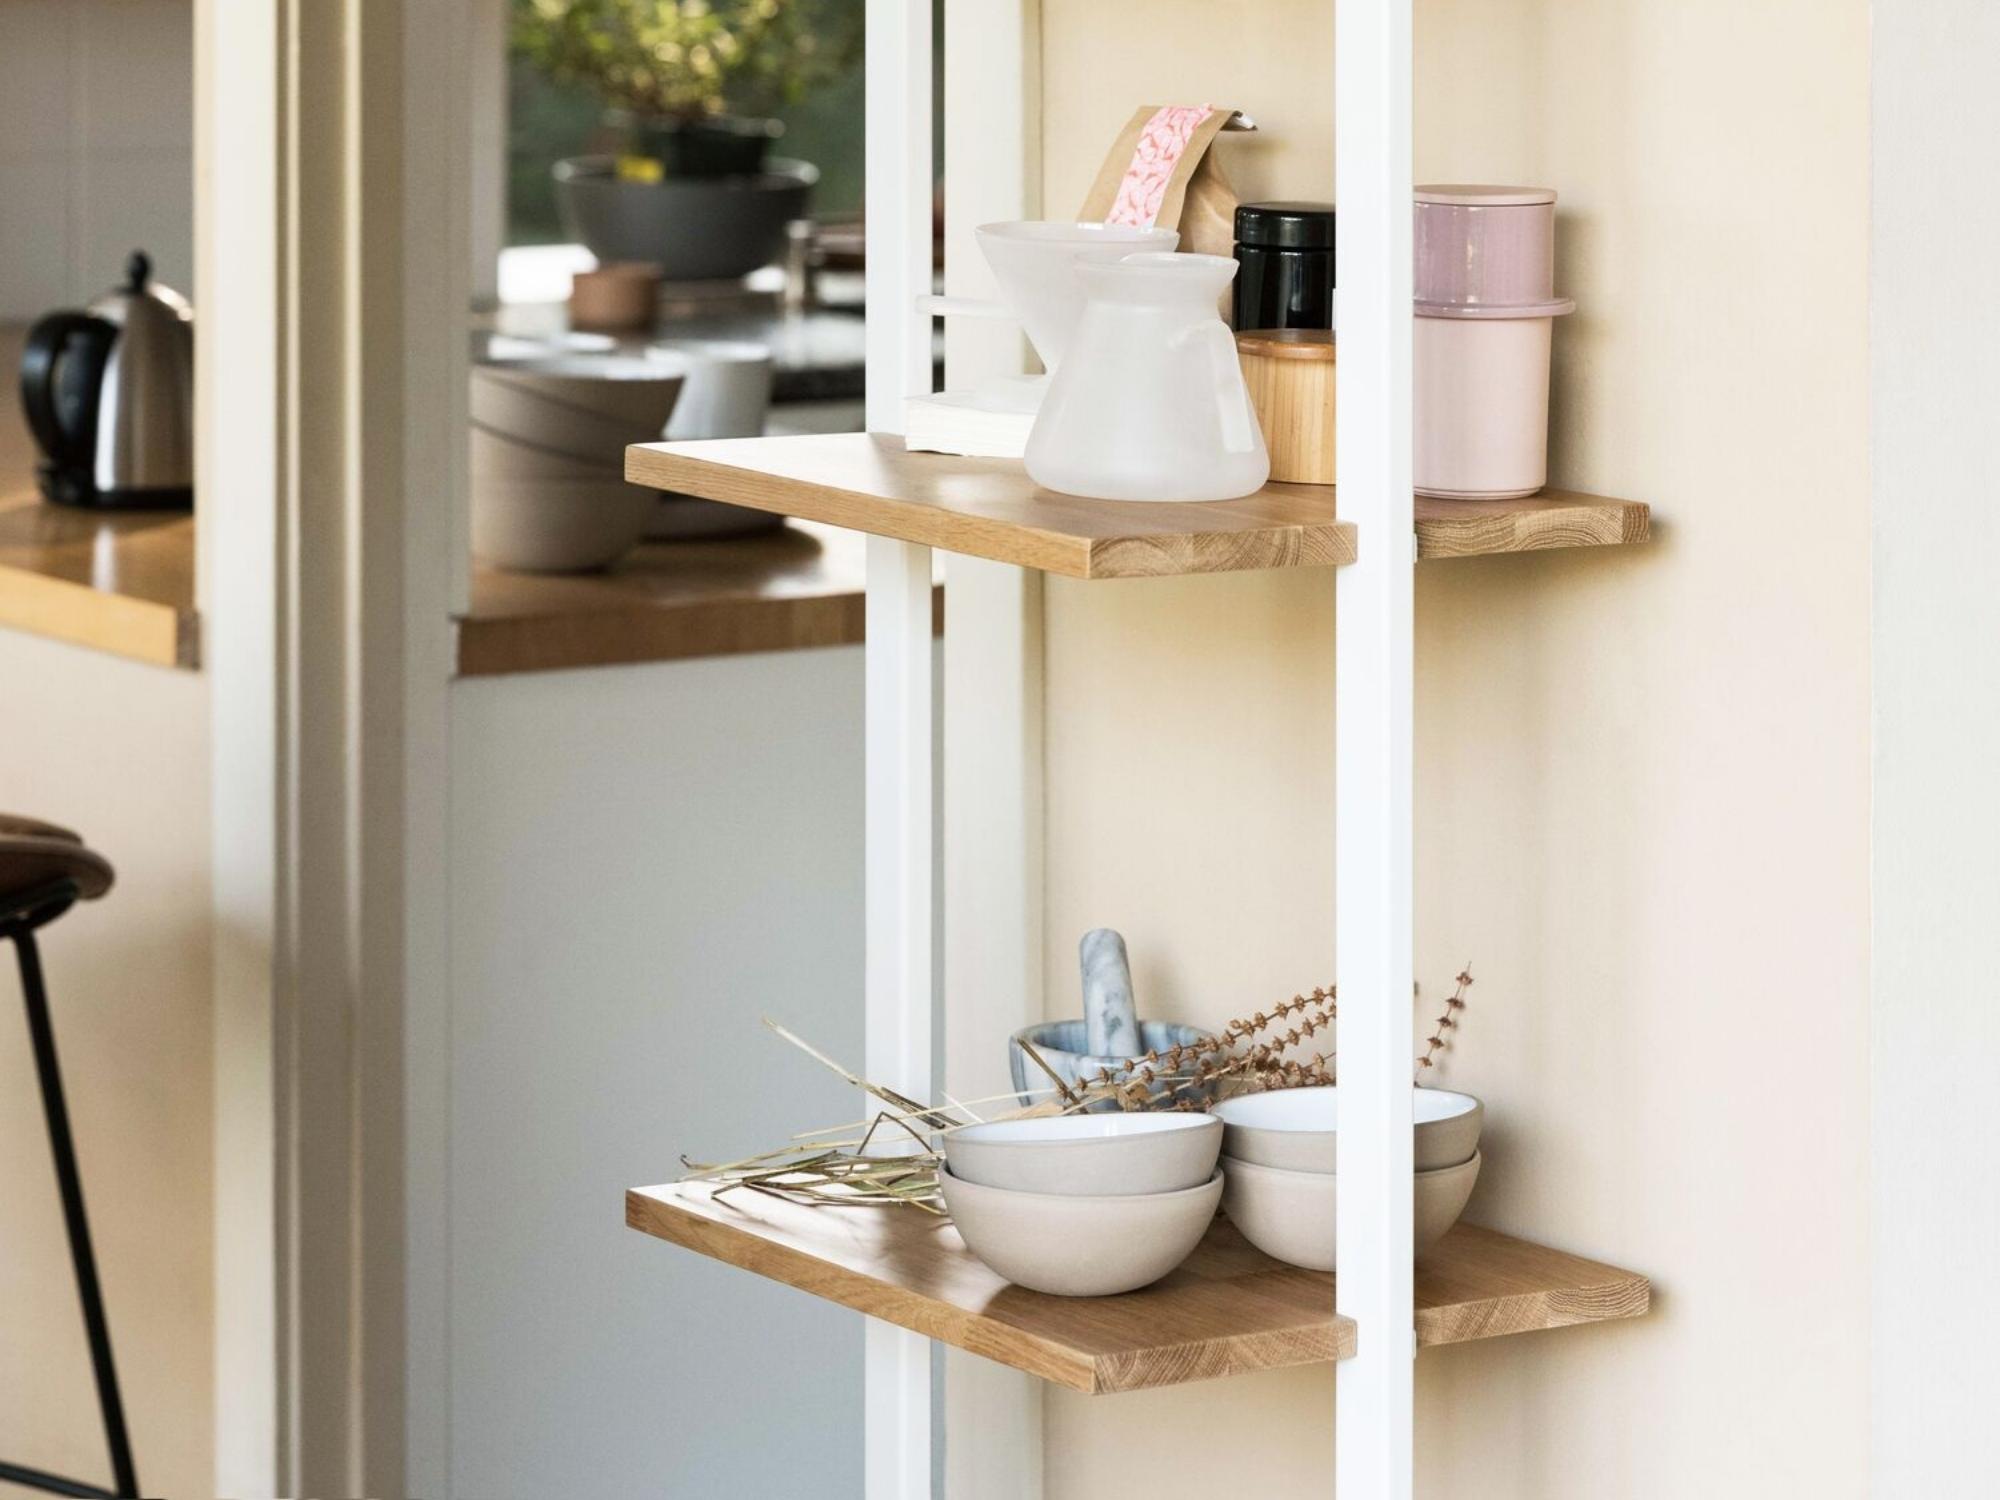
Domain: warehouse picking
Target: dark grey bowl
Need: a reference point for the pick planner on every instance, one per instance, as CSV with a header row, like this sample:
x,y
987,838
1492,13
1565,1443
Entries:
x,y
692,228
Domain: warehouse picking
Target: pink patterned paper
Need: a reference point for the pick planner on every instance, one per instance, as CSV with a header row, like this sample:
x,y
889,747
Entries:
x,y
1161,144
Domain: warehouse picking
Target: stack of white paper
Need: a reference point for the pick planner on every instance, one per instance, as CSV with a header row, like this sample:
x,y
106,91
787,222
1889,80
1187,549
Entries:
x,y
989,421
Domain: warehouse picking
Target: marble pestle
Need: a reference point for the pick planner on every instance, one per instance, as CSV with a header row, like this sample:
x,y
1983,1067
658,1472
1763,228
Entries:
x,y
1110,1017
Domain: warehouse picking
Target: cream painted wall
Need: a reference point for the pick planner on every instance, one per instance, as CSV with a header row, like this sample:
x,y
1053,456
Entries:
x,y
118,751
1642,778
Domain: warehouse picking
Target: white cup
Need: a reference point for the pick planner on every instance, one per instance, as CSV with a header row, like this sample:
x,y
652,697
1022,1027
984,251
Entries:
x,y
728,389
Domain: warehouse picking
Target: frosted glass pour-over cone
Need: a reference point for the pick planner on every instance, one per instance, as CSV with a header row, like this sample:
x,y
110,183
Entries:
x,y
1149,403
1035,262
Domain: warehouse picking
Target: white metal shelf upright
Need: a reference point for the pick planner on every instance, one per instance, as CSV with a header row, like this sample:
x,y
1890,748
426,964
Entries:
x,y
900,1008
1374,658
1373,830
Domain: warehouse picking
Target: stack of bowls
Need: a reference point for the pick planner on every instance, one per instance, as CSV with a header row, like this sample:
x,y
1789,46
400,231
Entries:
x,y
1486,310
1083,1205
548,456
1279,1154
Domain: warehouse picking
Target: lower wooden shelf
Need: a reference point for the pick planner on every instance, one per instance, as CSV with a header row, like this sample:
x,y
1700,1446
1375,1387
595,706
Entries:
x,y
1227,1310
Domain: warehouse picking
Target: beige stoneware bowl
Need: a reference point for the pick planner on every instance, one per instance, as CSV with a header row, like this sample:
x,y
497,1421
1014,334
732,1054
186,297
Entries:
x,y
1072,1246
549,435
1088,1155
584,406
1290,1215
557,525
1296,1129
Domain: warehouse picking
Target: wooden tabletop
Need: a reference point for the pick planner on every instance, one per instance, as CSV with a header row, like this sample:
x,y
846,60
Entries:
x,y
785,590
121,582
124,582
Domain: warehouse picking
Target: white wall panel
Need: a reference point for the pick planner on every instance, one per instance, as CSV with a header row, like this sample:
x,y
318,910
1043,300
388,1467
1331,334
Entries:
x,y
645,861
1935,387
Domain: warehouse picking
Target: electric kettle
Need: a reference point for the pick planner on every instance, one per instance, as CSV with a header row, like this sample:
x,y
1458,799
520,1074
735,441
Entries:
x,y
109,395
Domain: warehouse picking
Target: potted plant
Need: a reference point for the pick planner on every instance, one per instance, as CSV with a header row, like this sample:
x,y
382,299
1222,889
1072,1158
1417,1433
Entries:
x,y
689,85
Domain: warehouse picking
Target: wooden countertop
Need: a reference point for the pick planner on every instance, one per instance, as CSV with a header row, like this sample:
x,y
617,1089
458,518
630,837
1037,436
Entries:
x,y
122,583
784,590
125,583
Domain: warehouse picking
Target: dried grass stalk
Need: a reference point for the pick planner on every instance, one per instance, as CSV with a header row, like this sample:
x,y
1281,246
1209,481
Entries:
x,y
889,1159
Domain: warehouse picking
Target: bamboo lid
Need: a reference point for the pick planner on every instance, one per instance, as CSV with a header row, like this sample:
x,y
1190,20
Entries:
x,y
1287,343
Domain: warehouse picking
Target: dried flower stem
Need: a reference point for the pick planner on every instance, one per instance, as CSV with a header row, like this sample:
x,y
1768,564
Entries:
x,y
1448,1022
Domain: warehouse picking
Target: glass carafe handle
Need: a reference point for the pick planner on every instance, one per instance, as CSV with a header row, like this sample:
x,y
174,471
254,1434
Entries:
x,y
1230,404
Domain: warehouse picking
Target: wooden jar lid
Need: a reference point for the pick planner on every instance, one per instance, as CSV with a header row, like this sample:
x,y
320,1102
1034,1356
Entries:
x,y
1287,343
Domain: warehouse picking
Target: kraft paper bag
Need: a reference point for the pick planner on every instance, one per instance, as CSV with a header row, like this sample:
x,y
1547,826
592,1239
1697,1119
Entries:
x,y
1160,172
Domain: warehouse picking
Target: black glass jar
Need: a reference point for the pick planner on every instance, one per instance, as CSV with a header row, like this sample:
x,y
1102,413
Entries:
x,y
1284,258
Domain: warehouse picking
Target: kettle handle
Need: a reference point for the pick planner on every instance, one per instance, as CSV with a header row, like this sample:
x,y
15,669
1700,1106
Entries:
x,y
55,338
1231,405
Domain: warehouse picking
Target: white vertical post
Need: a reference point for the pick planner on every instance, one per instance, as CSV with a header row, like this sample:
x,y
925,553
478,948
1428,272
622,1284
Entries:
x,y
991,676
897,1439
1374,658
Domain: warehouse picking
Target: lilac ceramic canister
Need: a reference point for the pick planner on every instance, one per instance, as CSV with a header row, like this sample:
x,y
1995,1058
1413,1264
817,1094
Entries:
x,y
1486,305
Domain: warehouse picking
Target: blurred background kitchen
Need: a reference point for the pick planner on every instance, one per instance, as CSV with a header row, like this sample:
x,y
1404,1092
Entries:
x,y
645,715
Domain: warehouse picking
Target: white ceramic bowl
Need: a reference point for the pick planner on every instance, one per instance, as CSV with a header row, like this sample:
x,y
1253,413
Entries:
x,y
1080,1246
1296,1129
1290,1215
1088,1155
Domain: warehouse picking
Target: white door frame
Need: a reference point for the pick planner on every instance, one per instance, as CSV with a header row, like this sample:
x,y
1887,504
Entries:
x,y
329,233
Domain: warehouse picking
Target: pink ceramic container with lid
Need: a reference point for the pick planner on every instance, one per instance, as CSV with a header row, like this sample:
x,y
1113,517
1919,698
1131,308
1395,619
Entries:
x,y
1487,252
1486,309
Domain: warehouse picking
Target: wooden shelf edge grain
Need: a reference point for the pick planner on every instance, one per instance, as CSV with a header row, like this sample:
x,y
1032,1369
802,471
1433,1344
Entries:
x,y
1227,1310
990,508
1540,523
1479,1284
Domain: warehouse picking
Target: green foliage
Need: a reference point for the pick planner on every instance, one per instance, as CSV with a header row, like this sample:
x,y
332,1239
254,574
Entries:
x,y
685,59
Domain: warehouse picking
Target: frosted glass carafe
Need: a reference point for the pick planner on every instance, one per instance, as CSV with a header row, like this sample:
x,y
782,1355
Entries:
x,y
1149,402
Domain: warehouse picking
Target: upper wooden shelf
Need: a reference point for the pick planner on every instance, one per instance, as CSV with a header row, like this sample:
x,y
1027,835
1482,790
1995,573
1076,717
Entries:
x,y
990,508
1227,1310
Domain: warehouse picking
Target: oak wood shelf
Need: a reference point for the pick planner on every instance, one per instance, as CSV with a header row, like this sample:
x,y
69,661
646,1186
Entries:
x,y
1551,520
990,508
1228,1309
787,590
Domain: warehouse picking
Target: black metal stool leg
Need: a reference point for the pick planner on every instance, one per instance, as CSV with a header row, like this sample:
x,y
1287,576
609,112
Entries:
x,y
81,1255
